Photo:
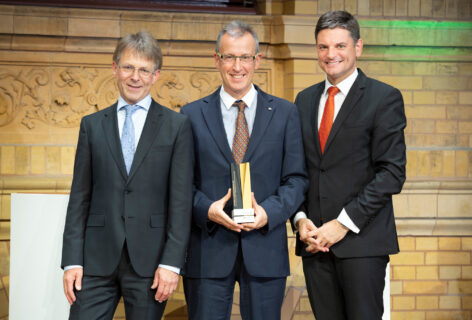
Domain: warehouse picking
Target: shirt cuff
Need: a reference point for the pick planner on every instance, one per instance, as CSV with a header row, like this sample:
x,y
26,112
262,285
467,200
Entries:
x,y
298,216
71,267
344,219
170,268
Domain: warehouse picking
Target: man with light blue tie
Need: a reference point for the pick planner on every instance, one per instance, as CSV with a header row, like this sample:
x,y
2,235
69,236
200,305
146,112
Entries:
x,y
128,218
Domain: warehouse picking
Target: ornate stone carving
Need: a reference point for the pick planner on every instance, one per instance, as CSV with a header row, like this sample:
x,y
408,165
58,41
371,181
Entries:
x,y
61,96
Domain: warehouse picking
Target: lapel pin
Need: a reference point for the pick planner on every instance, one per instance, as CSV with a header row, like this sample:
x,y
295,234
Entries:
x,y
269,108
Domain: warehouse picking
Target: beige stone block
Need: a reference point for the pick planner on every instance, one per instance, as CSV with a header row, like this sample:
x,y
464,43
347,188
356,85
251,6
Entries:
x,y
407,315
450,272
304,7
3,304
423,125
446,97
425,287
436,163
407,258
38,159
8,159
456,227
459,287
94,28
425,112
424,164
465,68
447,258
459,112
303,66
426,243
461,163
53,160
426,8
419,205
411,163
403,303
446,315
467,243
449,243
304,304
40,25
449,163
5,42
402,68
465,97
162,30
6,284
465,127
67,160
454,205
427,273
401,8
404,82
427,302
92,45
4,258
5,209
4,230
404,273
424,97
389,7
406,243
407,97
302,316
424,68
44,43
6,23
447,126
22,160
447,68
396,287
467,302
444,83
466,272
364,7
351,6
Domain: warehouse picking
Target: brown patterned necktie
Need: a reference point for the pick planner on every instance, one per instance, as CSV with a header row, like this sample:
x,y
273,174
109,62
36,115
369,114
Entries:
x,y
328,116
241,135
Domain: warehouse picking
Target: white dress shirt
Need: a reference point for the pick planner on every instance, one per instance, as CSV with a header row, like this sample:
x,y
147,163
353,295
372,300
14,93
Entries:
x,y
230,113
139,118
344,87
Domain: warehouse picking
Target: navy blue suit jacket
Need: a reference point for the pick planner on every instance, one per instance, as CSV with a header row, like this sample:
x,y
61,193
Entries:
x,y
278,177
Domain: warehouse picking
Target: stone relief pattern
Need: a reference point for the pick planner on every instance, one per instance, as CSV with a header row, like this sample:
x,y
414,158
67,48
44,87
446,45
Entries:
x,y
61,96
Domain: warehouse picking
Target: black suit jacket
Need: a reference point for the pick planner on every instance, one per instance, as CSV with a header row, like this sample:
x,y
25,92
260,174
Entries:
x,y
150,208
362,166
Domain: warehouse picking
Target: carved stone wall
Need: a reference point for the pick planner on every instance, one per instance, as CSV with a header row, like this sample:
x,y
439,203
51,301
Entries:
x,y
55,67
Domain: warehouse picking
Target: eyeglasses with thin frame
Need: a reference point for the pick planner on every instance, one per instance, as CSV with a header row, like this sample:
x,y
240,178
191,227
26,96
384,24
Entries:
x,y
229,58
128,70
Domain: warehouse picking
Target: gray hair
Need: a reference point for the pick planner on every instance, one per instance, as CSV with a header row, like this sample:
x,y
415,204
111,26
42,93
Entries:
x,y
237,29
142,43
338,19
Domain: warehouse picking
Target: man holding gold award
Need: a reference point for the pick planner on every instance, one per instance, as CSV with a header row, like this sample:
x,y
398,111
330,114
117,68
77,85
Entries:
x,y
248,147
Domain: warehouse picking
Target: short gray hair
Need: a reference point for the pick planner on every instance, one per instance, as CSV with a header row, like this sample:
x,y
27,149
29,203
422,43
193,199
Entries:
x,y
237,29
143,43
338,19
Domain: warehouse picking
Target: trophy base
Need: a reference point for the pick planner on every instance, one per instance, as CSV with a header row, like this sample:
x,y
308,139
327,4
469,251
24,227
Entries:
x,y
243,215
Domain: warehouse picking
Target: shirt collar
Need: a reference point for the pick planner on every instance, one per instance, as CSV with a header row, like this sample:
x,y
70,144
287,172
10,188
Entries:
x,y
345,85
228,100
145,103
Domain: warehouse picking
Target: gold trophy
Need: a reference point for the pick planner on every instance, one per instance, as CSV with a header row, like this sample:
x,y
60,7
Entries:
x,y
243,211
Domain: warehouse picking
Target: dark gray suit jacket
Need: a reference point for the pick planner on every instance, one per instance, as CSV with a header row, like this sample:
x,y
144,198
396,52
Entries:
x,y
150,208
362,166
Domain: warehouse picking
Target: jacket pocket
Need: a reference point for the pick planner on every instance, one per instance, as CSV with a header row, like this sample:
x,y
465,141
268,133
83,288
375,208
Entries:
x,y
96,220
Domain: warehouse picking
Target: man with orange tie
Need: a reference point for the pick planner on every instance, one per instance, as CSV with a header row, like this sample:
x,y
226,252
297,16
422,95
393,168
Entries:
x,y
241,123
355,154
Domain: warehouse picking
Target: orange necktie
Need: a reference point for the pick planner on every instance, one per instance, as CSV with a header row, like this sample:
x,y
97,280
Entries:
x,y
328,116
241,135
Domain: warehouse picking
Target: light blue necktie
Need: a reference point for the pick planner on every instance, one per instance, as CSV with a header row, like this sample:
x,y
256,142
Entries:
x,y
127,136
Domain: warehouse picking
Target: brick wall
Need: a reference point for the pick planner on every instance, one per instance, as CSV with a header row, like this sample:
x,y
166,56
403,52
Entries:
x,y
54,69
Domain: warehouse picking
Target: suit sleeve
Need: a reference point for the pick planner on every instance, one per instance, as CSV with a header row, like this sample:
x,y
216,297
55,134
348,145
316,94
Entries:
x,y
79,202
388,158
294,179
180,198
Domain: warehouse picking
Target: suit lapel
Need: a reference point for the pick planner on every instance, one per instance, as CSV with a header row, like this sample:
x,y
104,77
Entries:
x,y
149,134
110,127
351,100
265,110
314,105
214,121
